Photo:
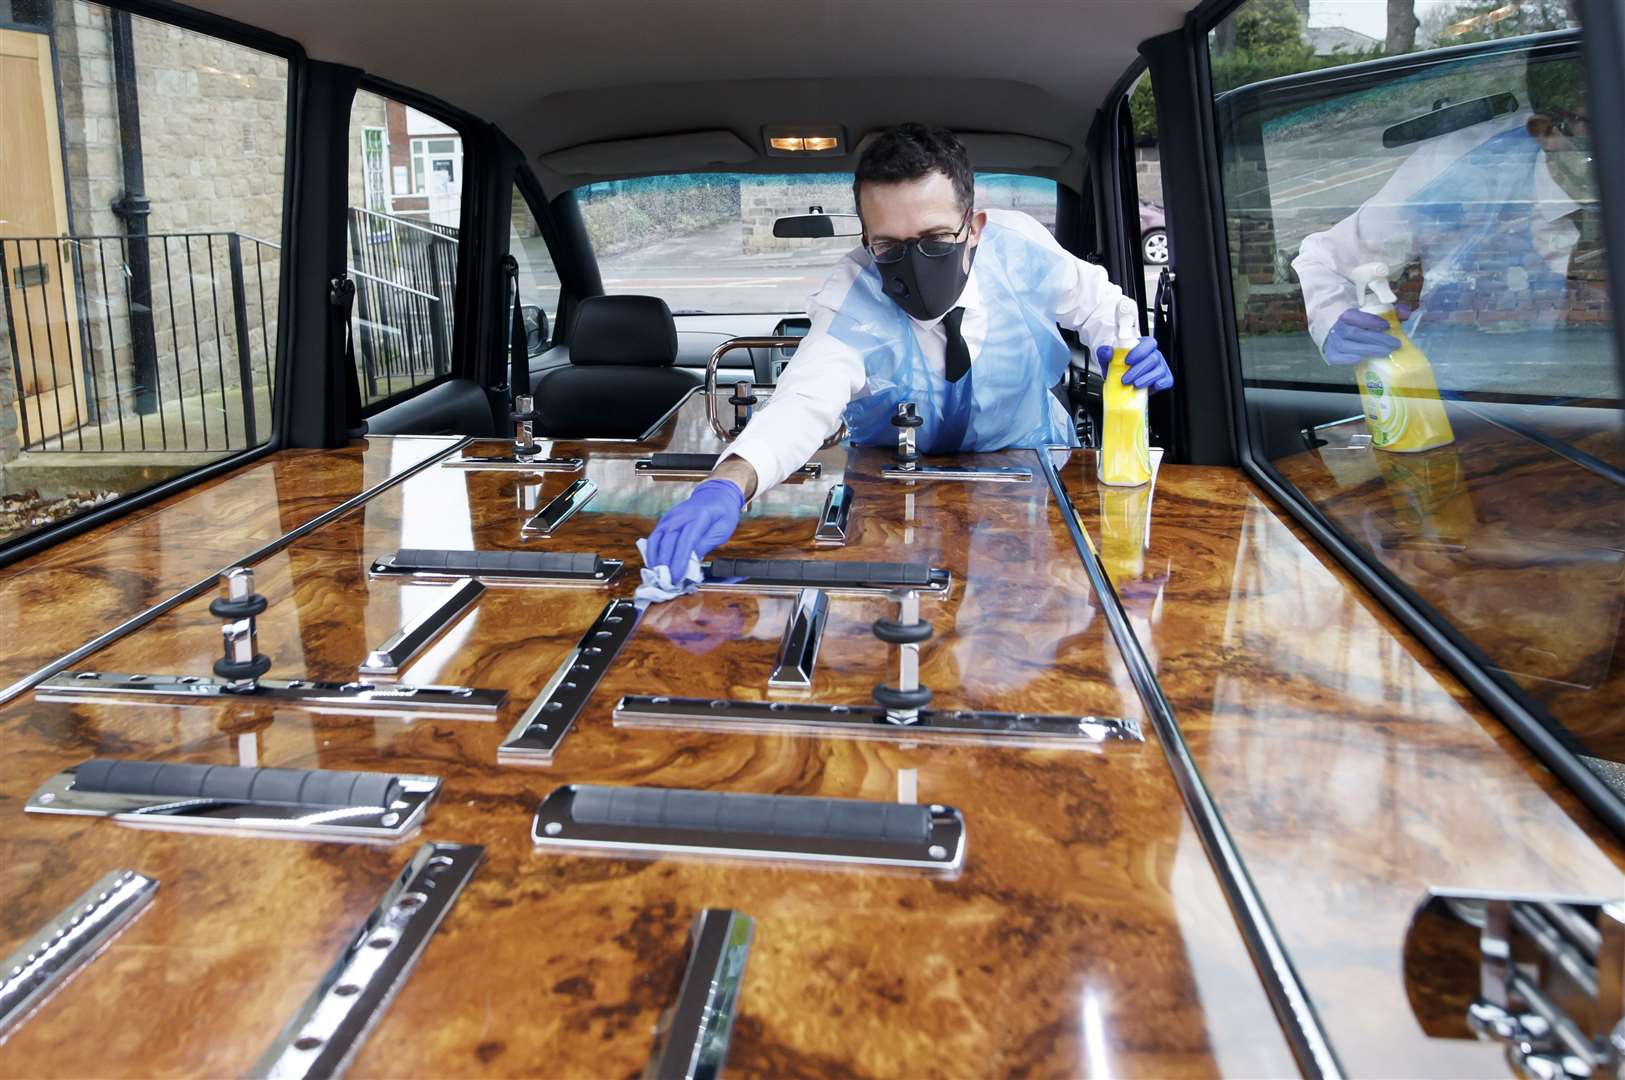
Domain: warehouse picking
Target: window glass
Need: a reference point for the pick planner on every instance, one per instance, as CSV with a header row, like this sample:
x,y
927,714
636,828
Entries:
x,y
704,242
1469,441
140,224
402,244
538,281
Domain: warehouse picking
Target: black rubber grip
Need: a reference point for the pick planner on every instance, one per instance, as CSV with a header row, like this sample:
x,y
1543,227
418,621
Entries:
x,y
290,787
225,608
890,697
893,632
909,419
686,462
496,563
730,812
814,573
247,669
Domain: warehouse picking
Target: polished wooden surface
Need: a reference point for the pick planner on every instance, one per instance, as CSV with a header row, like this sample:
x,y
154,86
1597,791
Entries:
x,y
1086,933
1353,772
73,592
1520,549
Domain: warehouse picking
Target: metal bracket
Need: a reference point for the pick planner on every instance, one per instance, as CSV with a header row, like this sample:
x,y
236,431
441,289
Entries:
x,y
388,659
835,519
608,570
692,1040
996,474
561,509
43,963
810,471
798,650
324,1035
374,824
941,849
441,702
544,724
517,463
1544,975
870,722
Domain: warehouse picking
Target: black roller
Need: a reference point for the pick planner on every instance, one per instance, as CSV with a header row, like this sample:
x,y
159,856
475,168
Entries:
x,y
743,394
226,608
730,812
231,783
890,697
893,632
686,462
245,669
823,573
496,563
907,419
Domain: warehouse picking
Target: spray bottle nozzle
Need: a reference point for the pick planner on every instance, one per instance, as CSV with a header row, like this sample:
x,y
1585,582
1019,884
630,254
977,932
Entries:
x,y
1128,323
1374,277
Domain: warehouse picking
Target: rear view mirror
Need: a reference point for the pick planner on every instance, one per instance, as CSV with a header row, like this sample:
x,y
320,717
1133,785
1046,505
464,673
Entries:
x,y
535,329
817,226
1447,118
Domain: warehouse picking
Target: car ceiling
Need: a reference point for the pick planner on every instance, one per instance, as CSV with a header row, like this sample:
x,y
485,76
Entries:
x,y
603,89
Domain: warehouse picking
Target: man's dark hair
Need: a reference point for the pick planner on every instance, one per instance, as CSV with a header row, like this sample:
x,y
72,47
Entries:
x,y
1556,86
910,151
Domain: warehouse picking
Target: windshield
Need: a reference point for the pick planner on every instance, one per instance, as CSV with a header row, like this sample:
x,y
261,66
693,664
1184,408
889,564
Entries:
x,y
704,243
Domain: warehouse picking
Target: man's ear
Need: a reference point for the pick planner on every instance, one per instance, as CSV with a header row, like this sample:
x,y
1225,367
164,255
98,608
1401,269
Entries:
x,y
978,221
1539,125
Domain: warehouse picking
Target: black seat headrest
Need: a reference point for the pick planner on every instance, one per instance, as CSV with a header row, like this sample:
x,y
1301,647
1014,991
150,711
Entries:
x,y
624,330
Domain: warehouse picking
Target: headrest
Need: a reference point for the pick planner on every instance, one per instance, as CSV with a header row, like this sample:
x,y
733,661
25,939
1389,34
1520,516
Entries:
x,y
624,330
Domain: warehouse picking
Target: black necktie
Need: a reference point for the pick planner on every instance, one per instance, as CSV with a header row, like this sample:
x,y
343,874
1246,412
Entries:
x,y
958,357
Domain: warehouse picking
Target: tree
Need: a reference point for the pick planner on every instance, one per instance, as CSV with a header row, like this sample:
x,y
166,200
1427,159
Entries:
x,y
1402,26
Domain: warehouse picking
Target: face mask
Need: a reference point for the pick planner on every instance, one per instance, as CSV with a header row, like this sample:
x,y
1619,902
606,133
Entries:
x,y
925,287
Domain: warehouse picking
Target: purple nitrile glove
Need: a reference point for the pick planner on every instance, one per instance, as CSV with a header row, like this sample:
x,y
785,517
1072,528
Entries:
x,y
696,526
1146,367
1359,335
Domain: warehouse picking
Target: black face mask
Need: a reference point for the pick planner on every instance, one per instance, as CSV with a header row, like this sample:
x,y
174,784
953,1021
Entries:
x,y
925,287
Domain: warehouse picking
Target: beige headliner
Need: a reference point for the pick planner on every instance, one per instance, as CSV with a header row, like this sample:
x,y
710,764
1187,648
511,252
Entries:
x,y
557,74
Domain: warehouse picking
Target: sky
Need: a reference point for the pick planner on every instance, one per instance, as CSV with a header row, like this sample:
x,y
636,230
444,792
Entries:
x,y
1366,16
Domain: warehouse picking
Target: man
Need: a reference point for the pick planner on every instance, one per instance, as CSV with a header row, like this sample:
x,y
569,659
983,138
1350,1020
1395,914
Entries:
x,y
952,308
1502,217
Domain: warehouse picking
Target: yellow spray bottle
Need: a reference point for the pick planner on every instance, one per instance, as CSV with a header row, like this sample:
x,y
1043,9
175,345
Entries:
x,y
1125,445
1398,391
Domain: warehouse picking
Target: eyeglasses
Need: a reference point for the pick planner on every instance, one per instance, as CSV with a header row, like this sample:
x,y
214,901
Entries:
x,y
1569,124
932,245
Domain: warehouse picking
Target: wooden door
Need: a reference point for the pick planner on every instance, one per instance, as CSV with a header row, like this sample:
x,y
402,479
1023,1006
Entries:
x,y
43,304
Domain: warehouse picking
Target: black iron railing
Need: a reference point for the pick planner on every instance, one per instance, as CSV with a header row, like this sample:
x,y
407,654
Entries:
x,y
190,367
186,369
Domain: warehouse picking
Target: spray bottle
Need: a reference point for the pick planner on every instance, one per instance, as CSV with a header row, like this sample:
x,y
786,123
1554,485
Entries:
x,y
1125,445
1398,391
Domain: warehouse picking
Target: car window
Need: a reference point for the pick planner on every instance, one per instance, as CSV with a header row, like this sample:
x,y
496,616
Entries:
x,y
140,229
1421,303
538,281
704,242
405,206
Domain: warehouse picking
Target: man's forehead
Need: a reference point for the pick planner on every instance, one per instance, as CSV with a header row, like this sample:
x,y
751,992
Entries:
x,y
907,207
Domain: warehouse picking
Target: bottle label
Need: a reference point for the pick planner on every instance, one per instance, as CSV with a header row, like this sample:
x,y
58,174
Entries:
x,y
1385,412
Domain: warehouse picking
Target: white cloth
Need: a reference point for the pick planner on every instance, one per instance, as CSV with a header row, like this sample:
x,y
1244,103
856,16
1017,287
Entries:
x,y
1379,232
826,374
657,585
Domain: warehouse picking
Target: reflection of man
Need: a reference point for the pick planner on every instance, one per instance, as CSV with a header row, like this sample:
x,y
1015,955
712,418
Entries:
x,y
1503,217
948,307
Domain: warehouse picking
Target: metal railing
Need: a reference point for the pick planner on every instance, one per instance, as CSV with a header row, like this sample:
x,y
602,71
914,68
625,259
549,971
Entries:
x,y
189,367
185,368
406,279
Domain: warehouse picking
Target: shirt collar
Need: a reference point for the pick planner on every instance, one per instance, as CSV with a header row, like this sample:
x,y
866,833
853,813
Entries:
x,y
970,297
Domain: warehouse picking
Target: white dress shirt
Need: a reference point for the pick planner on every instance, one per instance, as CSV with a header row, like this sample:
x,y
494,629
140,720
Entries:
x,y
826,374
1380,231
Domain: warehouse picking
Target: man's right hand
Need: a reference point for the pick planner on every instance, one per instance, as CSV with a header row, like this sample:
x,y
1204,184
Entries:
x,y
696,526
1359,335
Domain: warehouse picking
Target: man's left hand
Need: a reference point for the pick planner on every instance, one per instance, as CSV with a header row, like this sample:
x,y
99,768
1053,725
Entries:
x,y
1147,368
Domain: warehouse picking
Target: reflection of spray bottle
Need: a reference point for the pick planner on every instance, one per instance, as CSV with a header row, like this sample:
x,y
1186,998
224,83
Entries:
x,y
1125,444
1398,391
1125,521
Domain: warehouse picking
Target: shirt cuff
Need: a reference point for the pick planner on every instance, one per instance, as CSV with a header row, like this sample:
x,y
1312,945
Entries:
x,y
761,463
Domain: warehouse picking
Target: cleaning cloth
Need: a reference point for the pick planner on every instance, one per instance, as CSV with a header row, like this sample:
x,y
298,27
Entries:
x,y
658,586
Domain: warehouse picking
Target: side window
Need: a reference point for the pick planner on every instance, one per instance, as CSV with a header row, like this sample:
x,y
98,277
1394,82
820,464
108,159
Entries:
x,y
538,281
1425,334
405,204
140,229
1153,224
